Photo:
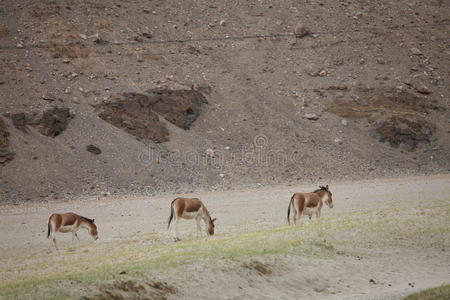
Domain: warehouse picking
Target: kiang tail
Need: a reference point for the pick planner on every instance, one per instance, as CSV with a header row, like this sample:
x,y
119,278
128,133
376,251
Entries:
x,y
289,209
171,215
48,229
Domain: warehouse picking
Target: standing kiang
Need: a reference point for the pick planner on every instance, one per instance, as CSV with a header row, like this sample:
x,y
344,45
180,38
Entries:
x,y
69,222
309,203
190,208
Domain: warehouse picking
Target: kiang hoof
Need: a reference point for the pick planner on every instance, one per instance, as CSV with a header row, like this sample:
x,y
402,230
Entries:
x,y
176,240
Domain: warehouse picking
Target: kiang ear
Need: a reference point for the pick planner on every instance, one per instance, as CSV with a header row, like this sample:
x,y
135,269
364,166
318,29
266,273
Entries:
x,y
213,220
327,186
93,221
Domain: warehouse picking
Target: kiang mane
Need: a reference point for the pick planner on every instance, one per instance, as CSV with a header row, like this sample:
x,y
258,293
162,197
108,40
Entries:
x,y
87,219
321,188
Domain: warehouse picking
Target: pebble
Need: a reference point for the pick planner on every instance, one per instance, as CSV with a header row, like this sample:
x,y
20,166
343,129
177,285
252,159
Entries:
x,y
210,152
415,51
344,122
311,116
338,141
292,42
421,88
93,149
49,97
301,31
323,73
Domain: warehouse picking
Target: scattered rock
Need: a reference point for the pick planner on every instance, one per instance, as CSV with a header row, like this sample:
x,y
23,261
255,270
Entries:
x,y
147,34
372,281
99,38
223,22
381,61
338,141
323,73
344,122
210,152
19,45
292,42
301,31
311,116
49,97
421,88
93,149
415,51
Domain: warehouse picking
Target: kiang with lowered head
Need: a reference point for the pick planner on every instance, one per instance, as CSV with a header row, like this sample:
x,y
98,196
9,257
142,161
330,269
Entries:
x,y
309,203
190,208
69,222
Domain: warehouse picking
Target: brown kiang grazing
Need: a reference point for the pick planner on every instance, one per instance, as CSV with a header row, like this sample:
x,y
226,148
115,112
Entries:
x,y
190,208
309,203
69,222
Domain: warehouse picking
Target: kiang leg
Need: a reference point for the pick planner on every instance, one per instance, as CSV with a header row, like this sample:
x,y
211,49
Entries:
x,y
297,216
199,227
50,243
175,230
318,214
54,242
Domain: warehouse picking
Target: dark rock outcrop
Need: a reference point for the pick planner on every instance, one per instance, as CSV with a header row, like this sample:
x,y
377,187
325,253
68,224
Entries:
x,y
5,153
399,131
51,122
137,113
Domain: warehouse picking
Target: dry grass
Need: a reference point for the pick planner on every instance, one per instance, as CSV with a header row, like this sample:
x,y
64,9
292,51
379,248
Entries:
x,y
261,268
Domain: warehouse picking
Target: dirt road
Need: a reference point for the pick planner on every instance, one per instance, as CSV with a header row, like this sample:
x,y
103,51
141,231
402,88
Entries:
x,y
383,238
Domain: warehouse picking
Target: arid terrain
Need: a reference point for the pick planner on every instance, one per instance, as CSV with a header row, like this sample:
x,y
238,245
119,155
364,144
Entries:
x,y
113,108
147,97
383,239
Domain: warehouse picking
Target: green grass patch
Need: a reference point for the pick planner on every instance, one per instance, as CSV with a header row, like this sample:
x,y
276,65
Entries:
x,y
437,293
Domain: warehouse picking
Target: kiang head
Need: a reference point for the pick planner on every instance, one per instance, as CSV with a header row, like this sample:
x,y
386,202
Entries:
x,y
211,226
93,229
328,196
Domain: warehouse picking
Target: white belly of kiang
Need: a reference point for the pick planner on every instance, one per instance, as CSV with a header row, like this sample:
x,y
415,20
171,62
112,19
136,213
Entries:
x,y
310,211
67,228
190,215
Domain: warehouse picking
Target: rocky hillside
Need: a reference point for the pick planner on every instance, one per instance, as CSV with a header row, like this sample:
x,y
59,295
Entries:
x,y
104,97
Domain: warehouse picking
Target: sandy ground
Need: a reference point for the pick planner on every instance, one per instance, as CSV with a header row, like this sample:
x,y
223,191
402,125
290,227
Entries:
x,y
376,266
